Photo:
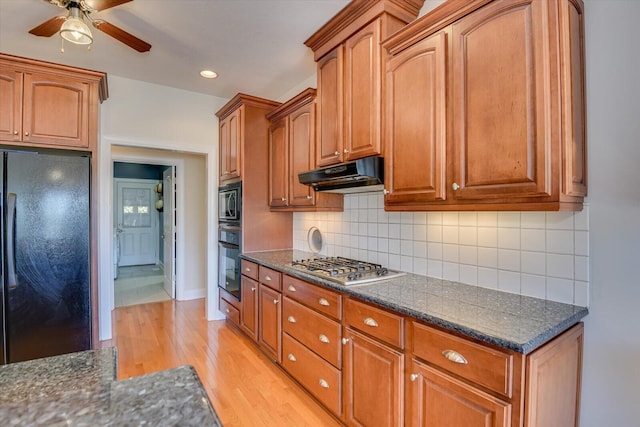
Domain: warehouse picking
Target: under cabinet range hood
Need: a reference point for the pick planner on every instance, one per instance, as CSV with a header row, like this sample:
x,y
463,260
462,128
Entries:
x,y
358,176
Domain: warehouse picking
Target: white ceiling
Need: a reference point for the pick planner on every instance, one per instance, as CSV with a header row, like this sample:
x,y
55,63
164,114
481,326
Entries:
x,y
256,46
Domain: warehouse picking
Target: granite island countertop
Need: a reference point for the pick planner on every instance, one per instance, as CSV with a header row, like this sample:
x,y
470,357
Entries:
x,y
511,321
79,389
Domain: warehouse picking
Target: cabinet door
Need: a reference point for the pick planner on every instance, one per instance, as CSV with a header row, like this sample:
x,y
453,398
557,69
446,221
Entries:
x,y
373,382
501,103
436,399
416,128
362,92
230,150
330,103
10,105
270,322
249,312
55,110
301,151
278,164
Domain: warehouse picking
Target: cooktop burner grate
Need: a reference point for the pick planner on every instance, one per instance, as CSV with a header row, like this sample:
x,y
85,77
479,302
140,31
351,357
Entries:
x,y
345,270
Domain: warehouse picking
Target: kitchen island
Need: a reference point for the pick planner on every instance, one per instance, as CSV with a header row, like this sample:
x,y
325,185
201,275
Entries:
x,y
80,389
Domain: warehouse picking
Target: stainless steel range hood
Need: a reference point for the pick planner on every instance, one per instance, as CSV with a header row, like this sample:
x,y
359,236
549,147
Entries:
x,y
359,176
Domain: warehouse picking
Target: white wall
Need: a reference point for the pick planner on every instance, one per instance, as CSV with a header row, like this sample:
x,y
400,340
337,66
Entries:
x,y
611,374
140,114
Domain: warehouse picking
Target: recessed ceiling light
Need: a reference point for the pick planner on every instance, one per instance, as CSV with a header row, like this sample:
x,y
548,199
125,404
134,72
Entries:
x,y
208,74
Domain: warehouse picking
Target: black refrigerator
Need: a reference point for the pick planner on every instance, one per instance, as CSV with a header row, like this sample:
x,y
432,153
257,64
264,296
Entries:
x,y
45,290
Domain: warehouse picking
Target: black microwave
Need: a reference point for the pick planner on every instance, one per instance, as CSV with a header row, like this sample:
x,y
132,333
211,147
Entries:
x,y
230,202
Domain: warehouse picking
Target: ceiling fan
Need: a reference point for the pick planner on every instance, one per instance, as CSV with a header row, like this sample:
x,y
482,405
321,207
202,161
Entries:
x,y
72,27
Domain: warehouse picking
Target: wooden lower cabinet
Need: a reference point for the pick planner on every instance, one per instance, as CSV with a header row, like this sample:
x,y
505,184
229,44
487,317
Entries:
x,y
270,321
249,302
437,399
319,377
373,382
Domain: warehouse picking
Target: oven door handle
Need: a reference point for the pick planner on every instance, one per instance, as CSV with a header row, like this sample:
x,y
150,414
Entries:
x,y
229,245
229,227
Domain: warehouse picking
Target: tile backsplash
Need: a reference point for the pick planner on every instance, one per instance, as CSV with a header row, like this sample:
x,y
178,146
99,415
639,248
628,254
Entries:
x,y
539,254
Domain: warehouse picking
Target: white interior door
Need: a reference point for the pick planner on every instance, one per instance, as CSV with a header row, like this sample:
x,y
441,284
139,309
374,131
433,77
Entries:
x,y
137,221
169,229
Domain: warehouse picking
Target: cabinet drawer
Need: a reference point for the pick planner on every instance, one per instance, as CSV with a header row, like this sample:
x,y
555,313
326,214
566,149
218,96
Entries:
x,y
230,311
315,374
483,365
317,332
381,324
271,278
315,297
250,269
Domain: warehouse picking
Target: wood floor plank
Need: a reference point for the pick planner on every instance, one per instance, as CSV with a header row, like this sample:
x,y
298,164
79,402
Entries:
x,y
245,387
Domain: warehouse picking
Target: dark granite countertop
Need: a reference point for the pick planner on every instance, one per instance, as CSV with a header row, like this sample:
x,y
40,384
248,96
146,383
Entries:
x,y
79,389
508,320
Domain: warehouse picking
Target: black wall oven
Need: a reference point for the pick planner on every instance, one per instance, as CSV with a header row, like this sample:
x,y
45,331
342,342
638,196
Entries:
x,y
229,237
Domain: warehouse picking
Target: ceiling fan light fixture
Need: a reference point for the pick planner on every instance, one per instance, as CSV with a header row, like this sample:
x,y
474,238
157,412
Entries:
x,y
74,30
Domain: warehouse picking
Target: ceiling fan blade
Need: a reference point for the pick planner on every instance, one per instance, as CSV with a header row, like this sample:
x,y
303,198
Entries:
x,y
122,36
105,4
49,27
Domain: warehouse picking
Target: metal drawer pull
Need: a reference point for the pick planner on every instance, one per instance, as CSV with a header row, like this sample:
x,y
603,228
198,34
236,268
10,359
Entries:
x,y
323,338
454,356
370,322
253,289
345,341
292,288
247,269
324,302
414,377
267,278
291,319
323,383
292,357
228,311
275,301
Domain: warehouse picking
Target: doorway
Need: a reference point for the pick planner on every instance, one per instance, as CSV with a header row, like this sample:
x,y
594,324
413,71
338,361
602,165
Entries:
x,y
144,233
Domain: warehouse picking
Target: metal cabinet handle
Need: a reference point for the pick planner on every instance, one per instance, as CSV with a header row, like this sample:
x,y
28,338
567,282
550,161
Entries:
x,y
454,357
414,377
247,269
15,132
345,151
323,383
292,357
323,301
284,199
267,278
292,288
385,191
275,301
26,134
455,186
309,197
345,341
323,338
370,322
291,319
227,311
336,153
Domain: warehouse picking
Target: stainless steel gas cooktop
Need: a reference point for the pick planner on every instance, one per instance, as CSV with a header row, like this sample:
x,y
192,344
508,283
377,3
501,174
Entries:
x,y
346,271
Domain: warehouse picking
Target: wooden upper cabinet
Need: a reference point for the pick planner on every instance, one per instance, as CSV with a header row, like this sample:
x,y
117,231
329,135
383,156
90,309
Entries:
x,y
49,104
513,109
362,84
291,151
230,146
415,156
278,164
351,65
501,110
10,104
330,115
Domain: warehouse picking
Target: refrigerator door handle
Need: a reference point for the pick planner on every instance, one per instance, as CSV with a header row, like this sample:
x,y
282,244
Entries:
x,y
11,241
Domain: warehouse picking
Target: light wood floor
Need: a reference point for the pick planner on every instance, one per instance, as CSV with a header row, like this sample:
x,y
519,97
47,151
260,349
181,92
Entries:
x,y
245,387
